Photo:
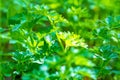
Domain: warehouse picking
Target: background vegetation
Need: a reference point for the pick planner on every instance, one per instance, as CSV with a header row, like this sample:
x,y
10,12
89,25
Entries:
x,y
59,40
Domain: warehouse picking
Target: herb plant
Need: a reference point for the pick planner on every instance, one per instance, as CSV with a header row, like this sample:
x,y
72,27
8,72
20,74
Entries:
x,y
59,40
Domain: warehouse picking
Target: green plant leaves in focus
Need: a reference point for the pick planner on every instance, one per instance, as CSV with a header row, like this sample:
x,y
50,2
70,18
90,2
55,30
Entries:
x,y
59,40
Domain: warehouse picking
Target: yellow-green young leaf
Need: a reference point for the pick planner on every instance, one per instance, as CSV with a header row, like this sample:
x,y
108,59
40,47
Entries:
x,y
71,39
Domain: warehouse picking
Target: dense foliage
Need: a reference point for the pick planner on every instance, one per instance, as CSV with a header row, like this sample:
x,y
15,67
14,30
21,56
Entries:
x,y
59,40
